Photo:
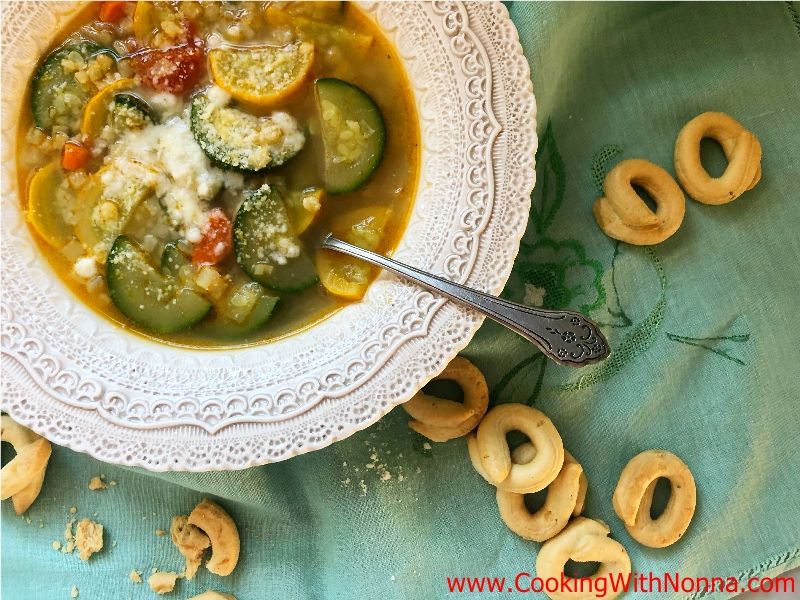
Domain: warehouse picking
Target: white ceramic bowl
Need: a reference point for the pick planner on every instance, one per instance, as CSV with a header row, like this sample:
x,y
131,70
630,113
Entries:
x,y
84,383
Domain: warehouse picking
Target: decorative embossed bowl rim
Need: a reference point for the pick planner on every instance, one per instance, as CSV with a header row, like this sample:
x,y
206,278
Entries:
x,y
82,382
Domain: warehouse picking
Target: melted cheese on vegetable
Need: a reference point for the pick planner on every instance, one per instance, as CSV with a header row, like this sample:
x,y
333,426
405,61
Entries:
x,y
167,159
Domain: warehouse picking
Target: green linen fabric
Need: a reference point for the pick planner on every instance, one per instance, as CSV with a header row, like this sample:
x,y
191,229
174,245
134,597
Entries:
x,y
703,328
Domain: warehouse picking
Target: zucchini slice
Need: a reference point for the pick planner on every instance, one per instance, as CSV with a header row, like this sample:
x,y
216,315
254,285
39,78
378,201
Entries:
x,y
56,96
130,112
353,134
237,140
265,244
261,75
147,297
244,310
50,205
172,259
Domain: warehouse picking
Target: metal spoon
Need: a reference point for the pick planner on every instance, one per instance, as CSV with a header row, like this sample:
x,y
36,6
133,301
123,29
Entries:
x,y
567,337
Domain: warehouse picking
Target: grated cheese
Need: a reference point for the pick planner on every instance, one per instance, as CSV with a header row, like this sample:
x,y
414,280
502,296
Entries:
x,y
86,267
166,159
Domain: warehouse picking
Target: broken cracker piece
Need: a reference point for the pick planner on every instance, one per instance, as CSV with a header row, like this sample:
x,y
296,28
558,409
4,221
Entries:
x,y
88,538
135,576
22,478
212,595
190,541
162,582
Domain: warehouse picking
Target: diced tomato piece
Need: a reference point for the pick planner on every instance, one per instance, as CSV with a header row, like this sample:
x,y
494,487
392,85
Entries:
x,y
174,70
74,156
190,27
217,240
111,12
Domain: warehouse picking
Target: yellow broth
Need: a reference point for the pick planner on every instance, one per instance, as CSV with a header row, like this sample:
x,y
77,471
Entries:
x,y
377,70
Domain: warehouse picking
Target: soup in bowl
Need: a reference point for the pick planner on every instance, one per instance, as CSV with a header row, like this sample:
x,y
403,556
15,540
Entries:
x,y
181,162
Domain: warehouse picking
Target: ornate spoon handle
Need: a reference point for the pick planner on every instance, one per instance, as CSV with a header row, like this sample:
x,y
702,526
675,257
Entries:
x,y
567,337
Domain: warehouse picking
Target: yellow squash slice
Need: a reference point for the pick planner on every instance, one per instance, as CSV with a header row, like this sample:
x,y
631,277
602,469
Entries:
x,y
95,115
303,207
343,275
147,19
262,75
49,204
319,9
99,221
318,30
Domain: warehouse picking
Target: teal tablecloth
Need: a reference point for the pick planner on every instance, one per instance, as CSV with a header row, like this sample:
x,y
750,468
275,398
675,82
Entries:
x,y
704,330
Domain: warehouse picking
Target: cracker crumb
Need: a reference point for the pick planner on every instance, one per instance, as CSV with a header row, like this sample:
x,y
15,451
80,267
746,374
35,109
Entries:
x,y
162,582
160,532
135,576
97,483
73,592
69,538
426,446
363,487
112,482
88,538
56,545
73,510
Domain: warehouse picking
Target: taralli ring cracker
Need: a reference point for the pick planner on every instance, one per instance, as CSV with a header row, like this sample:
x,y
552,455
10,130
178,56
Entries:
x,y
492,458
634,495
583,540
221,530
212,595
583,487
439,419
558,507
22,478
741,148
623,215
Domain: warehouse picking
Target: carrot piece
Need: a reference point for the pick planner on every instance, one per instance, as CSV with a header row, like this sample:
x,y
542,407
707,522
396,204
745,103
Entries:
x,y
111,12
217,240
74,156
